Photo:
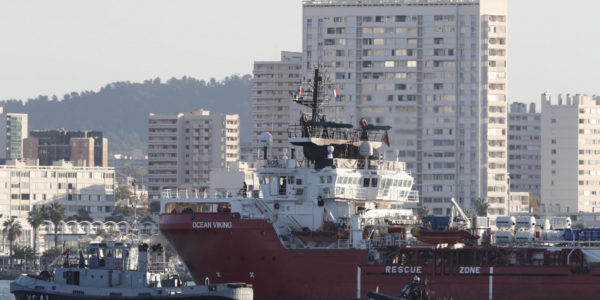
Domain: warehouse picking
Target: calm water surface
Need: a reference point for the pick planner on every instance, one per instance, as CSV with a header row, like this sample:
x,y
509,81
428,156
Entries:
x,y
4,290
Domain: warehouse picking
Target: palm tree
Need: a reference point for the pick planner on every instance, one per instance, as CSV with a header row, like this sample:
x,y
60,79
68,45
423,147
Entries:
x,y
56,214
36,219
82,215
481,207
11,230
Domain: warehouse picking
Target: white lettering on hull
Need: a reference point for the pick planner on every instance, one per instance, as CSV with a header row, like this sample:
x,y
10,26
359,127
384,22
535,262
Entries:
x,y
211,225
469,270
404,269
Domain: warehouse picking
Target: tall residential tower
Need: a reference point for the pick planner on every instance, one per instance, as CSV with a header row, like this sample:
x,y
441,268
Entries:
x,y
435,70
571,153
524,149
274,83
183,148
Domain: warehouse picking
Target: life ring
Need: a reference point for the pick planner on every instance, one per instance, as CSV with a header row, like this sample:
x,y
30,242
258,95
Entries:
x,y
276,206
370,258
118,265
363,123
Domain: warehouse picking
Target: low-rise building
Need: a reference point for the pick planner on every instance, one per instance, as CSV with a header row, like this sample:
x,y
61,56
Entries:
x,y
24,185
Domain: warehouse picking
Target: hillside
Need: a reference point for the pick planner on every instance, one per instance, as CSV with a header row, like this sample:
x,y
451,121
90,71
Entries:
x,y
121,109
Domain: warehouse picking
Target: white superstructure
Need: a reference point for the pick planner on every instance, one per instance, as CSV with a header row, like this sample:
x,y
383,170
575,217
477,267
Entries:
x,y
433,70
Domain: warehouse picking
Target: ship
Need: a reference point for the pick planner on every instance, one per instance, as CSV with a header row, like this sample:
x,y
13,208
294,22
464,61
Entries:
x,y
337,224
119,271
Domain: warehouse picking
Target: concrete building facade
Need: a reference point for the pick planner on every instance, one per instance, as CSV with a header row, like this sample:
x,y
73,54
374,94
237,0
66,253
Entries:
x,y
13,129
518,202
48,146
183,148
272,105
433,70
571,153
524,149
25,185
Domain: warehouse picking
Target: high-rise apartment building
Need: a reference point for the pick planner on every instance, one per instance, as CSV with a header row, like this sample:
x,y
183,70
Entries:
x,y
88,148
524,149
13,129
433,70
272,106
571,153
183,148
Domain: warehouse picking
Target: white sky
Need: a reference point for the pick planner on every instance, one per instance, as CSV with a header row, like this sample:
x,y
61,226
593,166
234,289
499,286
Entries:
x,y
59,46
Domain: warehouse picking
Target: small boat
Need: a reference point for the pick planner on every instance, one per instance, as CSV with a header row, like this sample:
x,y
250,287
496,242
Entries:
x,y
445,229
414,290
444,236
117,271
329,232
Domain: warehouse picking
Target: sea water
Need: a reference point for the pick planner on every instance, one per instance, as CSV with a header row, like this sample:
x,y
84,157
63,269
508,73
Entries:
x,y
5,290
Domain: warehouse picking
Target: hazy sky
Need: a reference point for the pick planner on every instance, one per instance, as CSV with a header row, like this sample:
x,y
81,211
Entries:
x,y
59,46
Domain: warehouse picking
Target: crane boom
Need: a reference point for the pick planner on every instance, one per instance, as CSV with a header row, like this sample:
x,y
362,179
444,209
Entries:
x,y
462,214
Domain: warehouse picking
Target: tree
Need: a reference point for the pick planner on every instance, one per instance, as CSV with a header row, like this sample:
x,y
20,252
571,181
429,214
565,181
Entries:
x,y
534,203
125,211
423,211
35,218
24,253
481,207
123,193
56,214
133,170
82,215
49,255
11,230
154,206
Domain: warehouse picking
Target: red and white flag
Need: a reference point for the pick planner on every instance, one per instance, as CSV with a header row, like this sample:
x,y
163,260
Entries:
x,y
335,93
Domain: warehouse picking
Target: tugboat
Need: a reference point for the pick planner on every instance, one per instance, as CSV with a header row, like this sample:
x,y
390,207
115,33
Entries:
x,y
117,271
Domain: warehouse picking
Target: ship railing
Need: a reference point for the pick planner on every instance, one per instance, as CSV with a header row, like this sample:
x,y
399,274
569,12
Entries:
x,y
386,241
157,267
350,134
579,243
344,244
183,194
294,222
374,164
263,207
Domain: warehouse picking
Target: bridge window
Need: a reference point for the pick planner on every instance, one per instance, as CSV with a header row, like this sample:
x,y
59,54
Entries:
x,y
189,208
373,182
366,182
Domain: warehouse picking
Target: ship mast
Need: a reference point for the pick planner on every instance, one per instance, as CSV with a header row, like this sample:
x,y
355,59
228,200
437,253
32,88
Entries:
x,y
313,88
316,82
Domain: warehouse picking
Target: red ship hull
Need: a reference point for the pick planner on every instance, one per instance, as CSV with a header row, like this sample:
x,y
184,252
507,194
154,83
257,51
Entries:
x,y
223,248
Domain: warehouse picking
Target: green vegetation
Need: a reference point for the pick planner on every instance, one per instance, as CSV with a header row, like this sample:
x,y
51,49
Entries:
x,y
121,109
11,229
